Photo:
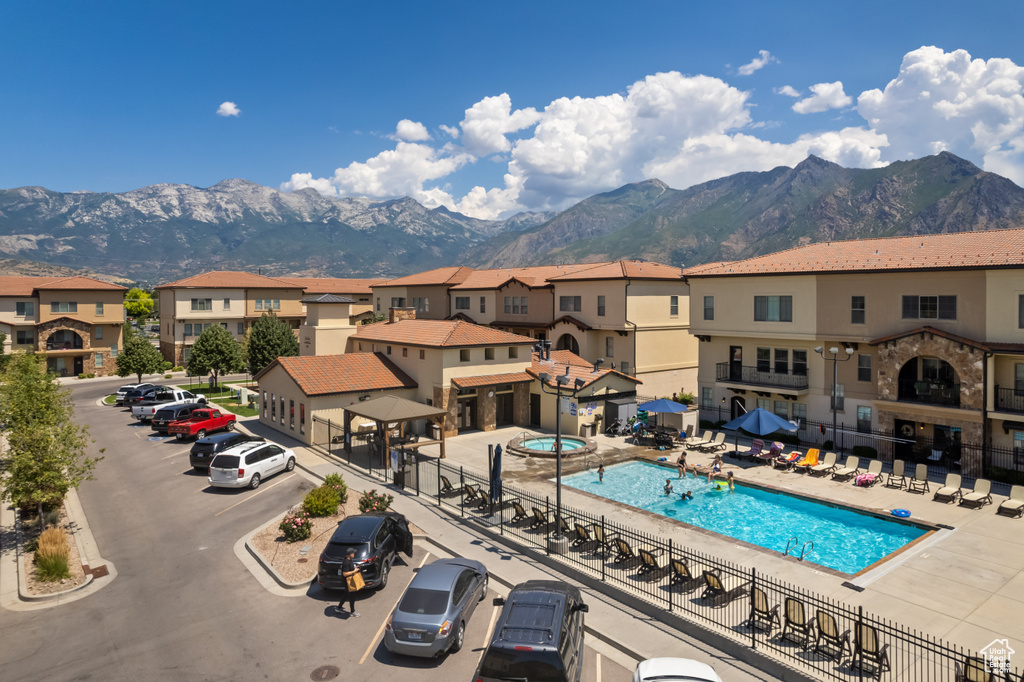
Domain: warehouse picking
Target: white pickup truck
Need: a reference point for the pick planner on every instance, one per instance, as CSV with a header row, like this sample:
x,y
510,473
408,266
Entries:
x,y
145,411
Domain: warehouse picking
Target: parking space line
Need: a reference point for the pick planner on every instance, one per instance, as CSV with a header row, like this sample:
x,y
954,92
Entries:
x,y
254,495
174,455
380,631
487,637
597,666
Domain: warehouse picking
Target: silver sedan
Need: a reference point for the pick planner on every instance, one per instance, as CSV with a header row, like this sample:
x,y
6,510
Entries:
x,y
431,617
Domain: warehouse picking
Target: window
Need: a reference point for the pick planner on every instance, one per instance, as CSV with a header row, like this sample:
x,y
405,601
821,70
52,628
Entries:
x,y
624,367
570,304
706,397
857,310
863,368
1020,311
673,306
291,415
302,417
462,302
513,352
99,360
264,410
524,308
397,302
99,308
508,305
600,306
227,304
516,305
839,398
488,353
483,304
378,304
26,337
799,412
63,307
764,359
224,325
863,419
800,362
464,355
773,309
98,332
764,404
205,304
241,328
709,307
405,352
188,329
28,308
781,409
282,410
423,354
113,350
929,307
422,305
1018,442
389,350
782,361
609,346
1018,376
273,406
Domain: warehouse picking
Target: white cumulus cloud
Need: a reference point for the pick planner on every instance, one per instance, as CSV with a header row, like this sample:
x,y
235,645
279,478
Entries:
x,y
228,109
304,180
826,96
451,131
487,123
410,131
788,91
763,59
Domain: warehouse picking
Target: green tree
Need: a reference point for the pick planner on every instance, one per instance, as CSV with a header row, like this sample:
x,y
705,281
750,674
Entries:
x,y
270,338
3,358
138,303
215,352
138,356
46,448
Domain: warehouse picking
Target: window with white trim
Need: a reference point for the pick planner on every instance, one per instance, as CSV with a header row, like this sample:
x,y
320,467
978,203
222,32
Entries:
x,y
709,307
63,307
97,332
707,397
857,310
202,304
25,308
600,306
99,308
864,419
863,367
673,306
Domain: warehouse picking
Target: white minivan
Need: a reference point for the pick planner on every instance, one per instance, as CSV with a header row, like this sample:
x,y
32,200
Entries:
x,y
247,464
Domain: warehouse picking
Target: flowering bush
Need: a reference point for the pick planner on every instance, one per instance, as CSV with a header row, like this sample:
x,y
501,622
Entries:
x,y
297,526
371,501
338,483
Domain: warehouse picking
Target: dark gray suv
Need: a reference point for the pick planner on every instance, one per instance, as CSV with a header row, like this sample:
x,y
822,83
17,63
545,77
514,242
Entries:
x,y
377,537
539,635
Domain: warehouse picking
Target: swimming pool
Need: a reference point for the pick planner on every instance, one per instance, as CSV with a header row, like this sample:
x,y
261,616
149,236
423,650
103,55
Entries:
x,y
844,539
547,444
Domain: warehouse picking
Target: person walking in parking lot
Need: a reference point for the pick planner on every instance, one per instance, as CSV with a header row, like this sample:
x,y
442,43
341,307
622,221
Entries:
x,y
348,568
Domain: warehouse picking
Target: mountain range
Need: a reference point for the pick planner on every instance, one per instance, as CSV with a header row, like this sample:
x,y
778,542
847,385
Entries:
x,y
165,231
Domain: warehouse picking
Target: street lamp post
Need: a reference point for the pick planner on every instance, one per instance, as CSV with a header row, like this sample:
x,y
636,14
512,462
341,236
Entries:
x,y
561,384
836,358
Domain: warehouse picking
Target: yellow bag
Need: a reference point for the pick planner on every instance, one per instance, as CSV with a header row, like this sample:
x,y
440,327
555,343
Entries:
x,y
355,582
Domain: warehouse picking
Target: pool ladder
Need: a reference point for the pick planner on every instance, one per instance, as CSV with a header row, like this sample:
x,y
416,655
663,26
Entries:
x,y
804,550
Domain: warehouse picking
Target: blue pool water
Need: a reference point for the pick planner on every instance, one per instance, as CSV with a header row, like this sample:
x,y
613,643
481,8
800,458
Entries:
x,y
548,444
844,540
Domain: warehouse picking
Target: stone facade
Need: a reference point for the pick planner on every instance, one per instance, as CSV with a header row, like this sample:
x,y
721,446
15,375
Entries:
x,y
970,432
447,399
521,404
966,360
487,404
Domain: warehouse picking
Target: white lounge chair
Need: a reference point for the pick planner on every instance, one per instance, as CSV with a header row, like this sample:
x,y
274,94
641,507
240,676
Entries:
x,y
851,469
980,496
1014,505
950,491
826,467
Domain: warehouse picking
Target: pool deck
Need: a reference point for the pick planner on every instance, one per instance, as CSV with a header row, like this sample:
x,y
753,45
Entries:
x,y
965,584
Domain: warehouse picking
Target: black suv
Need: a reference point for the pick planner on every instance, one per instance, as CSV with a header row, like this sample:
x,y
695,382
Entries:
x,y
539,635
205,449
165,415
378,537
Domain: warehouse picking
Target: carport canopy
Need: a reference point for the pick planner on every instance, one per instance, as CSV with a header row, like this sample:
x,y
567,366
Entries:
x,y
390,408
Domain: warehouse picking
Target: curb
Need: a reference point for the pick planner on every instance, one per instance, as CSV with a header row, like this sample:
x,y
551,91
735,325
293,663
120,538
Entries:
x,y
278,578
23,593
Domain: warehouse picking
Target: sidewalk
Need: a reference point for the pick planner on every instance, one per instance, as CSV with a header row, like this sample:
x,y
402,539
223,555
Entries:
x,y
625,628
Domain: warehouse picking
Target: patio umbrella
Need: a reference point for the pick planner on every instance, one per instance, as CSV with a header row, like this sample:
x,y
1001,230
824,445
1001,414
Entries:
x,y
496,475
759,422
663,406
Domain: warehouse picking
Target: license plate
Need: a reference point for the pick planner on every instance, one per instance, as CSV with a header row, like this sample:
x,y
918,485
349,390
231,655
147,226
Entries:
x,y
415,635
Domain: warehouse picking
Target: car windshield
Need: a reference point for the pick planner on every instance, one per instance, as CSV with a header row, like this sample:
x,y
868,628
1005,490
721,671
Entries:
x,y
424,601
225,462
522,664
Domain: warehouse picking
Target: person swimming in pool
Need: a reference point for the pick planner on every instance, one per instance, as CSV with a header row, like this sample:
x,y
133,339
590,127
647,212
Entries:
x,y
668,486
688,495
600,474
716,467
732,483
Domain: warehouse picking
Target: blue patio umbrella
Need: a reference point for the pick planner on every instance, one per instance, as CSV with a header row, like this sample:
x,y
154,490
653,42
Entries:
x,y
663,406
759,422
496,475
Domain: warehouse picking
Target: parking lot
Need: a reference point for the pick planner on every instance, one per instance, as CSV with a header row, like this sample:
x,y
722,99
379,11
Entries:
x,y
185,607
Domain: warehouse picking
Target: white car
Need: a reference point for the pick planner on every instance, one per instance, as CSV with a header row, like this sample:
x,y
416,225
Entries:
x,y
119,396
245,465
674,670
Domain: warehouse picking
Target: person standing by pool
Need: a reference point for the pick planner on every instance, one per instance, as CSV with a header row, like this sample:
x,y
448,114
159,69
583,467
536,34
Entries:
x,y
681,464
716,467
600,474
732,483
668,486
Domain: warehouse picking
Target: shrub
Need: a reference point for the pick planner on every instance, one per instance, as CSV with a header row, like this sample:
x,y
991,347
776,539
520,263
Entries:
x,y
177,369
322,501
91,375
166,366
685,398
297,526
864,451
828,445
338,483
53,555
371,501
707,424
787,438
167,376
82,375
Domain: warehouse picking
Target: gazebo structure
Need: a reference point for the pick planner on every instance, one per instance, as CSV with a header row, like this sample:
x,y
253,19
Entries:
x,y
390,411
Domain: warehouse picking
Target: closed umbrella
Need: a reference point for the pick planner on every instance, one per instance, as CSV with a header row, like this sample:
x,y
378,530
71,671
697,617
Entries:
x,y
496,475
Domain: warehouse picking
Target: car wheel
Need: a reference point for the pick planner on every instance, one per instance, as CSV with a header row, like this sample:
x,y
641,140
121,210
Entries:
x,y
385,569
460,637
201,434
290,466
254,482
483,591
231,426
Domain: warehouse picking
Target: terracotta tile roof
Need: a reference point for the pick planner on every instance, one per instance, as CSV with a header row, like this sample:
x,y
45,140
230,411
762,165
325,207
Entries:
x,y
534,276
334,285
578,369
981,249
229,279
348,373
492,379
623,269
438,334
26,286
450,275
21,286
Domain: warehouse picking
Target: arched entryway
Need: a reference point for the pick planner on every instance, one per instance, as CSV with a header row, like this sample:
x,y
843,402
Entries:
x,y
64,339
929,380
737,407
568,342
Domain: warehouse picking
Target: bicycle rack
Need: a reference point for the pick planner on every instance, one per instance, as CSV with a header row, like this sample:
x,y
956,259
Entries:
x,y
804,551
791,544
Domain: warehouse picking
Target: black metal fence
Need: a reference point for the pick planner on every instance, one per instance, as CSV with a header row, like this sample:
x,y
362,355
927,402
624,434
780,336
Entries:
x,y
819,636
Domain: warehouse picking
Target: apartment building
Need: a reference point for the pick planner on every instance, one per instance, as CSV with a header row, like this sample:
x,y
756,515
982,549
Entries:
x,y
925,336
75,322
424,292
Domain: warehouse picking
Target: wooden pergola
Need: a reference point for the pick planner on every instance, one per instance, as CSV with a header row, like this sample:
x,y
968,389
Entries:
x,y
388,410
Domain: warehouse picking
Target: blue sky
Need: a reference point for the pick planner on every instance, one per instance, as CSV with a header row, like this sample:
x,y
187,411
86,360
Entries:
x,y
493,109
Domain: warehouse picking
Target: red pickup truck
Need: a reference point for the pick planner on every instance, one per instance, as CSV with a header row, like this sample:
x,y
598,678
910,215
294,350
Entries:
x,y
201,423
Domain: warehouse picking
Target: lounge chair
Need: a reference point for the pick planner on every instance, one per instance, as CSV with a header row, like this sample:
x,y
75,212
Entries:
x,y
684,436
829,642
540,519
563,526
756,448
471,495
809,460
920,480
650,568
604,543
583,540
520,514
446,487
872,476
950,490
769,457
980,496
826,467
683,575
847,472
786,461
694,441
625,555
796,623
1014,505
898,478
762,616
717,444
867,650
722,589
974,669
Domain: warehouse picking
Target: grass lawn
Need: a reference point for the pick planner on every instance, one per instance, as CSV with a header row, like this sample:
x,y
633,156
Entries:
x,y
222,390
110,400
241,410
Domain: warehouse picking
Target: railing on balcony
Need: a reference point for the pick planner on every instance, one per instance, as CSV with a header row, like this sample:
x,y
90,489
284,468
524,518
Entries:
x,y
929,393
752,376
1010,399
64,345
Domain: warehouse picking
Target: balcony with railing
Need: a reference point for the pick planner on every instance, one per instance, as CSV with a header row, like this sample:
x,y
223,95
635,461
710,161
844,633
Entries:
x,y
753,376
1010,399
929,393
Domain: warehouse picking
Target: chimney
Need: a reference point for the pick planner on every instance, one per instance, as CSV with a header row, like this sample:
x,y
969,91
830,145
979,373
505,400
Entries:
x,y
398,314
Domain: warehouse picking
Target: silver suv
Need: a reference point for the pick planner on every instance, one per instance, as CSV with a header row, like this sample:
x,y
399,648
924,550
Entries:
x,y
245,465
